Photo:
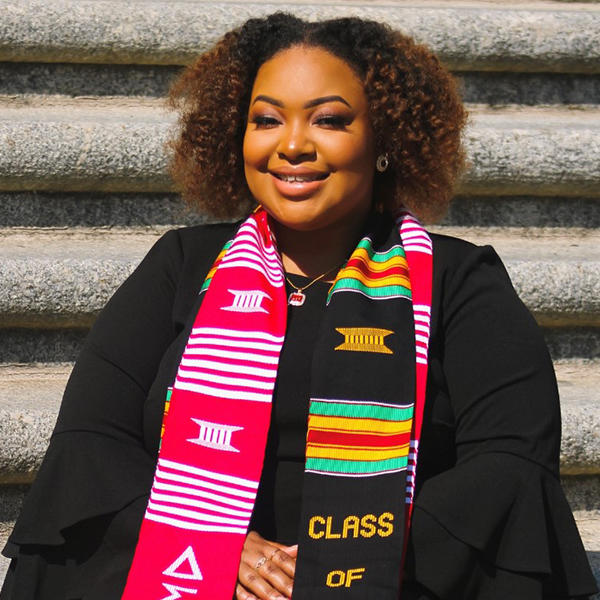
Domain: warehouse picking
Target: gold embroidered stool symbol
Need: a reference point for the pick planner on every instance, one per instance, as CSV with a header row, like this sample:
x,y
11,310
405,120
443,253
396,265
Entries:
x,y
364,339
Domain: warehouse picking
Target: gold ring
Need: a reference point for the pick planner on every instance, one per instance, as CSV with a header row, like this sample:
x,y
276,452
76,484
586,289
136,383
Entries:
x,y
260,562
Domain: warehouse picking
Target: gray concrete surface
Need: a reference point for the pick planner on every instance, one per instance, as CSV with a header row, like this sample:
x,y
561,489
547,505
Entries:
x,y
109,210
572,342
28,411
103,148
43,345
529,89
11,498
31,80
94,209
583,493
579,385
120,146
556,271
471,36
519,211
72,80
82,146
31,395
588,525
533,152
63,278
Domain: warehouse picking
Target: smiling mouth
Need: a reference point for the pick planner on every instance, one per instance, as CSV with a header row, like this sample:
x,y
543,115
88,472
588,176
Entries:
x,y
304,178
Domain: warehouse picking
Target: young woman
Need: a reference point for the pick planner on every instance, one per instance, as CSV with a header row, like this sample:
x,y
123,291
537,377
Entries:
x,y
355,408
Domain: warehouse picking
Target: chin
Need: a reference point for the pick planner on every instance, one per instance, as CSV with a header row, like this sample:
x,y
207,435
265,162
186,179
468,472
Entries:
x,y
298,224
301,220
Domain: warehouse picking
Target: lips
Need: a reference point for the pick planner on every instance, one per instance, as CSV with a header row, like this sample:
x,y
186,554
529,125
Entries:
x,y
297,183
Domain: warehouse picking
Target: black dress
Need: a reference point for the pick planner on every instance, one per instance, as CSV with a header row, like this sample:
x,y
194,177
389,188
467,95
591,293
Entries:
x,y
490,519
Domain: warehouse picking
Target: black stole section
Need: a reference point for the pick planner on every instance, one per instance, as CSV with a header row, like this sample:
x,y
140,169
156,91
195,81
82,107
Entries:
x,y
361,560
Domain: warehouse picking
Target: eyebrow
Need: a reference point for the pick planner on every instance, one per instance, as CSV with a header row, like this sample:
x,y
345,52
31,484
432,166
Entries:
x,y
309,104
325,99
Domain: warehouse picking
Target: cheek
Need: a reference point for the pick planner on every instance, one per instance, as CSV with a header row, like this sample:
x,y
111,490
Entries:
x,y
256,150
248,149
255,164
350,153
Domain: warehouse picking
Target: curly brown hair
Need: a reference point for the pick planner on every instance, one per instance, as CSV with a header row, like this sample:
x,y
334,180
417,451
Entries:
x,y
415,109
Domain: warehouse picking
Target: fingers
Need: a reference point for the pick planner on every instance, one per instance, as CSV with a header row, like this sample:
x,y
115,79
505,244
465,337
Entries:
x,y
284,561
242,594
267,582
266,570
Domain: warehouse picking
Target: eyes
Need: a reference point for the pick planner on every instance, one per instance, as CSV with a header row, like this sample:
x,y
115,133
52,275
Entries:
x,y
333,121
325,121
264,122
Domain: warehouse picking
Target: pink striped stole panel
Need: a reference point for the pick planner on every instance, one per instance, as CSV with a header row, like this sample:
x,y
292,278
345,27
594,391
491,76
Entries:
x,y
419,255
211,455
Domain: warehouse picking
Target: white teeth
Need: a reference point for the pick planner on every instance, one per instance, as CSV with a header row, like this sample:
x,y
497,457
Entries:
x,y
297,178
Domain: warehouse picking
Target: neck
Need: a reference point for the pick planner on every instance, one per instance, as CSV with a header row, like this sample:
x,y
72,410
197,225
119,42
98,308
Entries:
x,y
312,253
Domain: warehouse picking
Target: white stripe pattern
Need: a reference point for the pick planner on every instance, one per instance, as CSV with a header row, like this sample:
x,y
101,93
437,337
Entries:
x,y
190,505
414,236
422,315
416,239
411,471
212,365
248,250
251,335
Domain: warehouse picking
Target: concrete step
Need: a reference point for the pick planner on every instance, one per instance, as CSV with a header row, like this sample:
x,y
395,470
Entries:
x,y
535,152
556,271
28,409
119,146
98,209
60,278
104,210
88,145
31,396
583,494
579,385
63,345
529,89
530,36
589,529
63,80
588,523
64,278
563,342
44,345
465,211
36,81
26,424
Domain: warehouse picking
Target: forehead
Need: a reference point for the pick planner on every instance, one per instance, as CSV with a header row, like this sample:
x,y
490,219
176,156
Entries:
x,y
303,73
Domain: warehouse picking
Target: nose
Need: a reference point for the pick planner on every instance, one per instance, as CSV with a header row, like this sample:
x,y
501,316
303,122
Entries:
x,y
296,144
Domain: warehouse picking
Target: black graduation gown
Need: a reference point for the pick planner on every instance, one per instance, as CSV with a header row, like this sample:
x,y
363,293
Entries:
x,y
490,518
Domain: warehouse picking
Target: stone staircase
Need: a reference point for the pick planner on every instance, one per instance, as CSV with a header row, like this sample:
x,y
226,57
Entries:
x,y
84,190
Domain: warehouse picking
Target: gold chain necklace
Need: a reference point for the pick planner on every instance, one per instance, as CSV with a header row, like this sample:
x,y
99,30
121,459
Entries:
x,y
298,298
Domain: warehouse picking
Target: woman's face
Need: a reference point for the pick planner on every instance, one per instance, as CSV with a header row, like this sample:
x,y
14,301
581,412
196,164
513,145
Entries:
x,y
308,147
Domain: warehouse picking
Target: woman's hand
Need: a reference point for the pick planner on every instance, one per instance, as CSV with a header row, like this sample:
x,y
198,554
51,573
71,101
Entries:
x,y
266,570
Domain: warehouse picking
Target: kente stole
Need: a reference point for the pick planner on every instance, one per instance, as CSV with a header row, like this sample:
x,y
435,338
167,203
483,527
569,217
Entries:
x,y
367,395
